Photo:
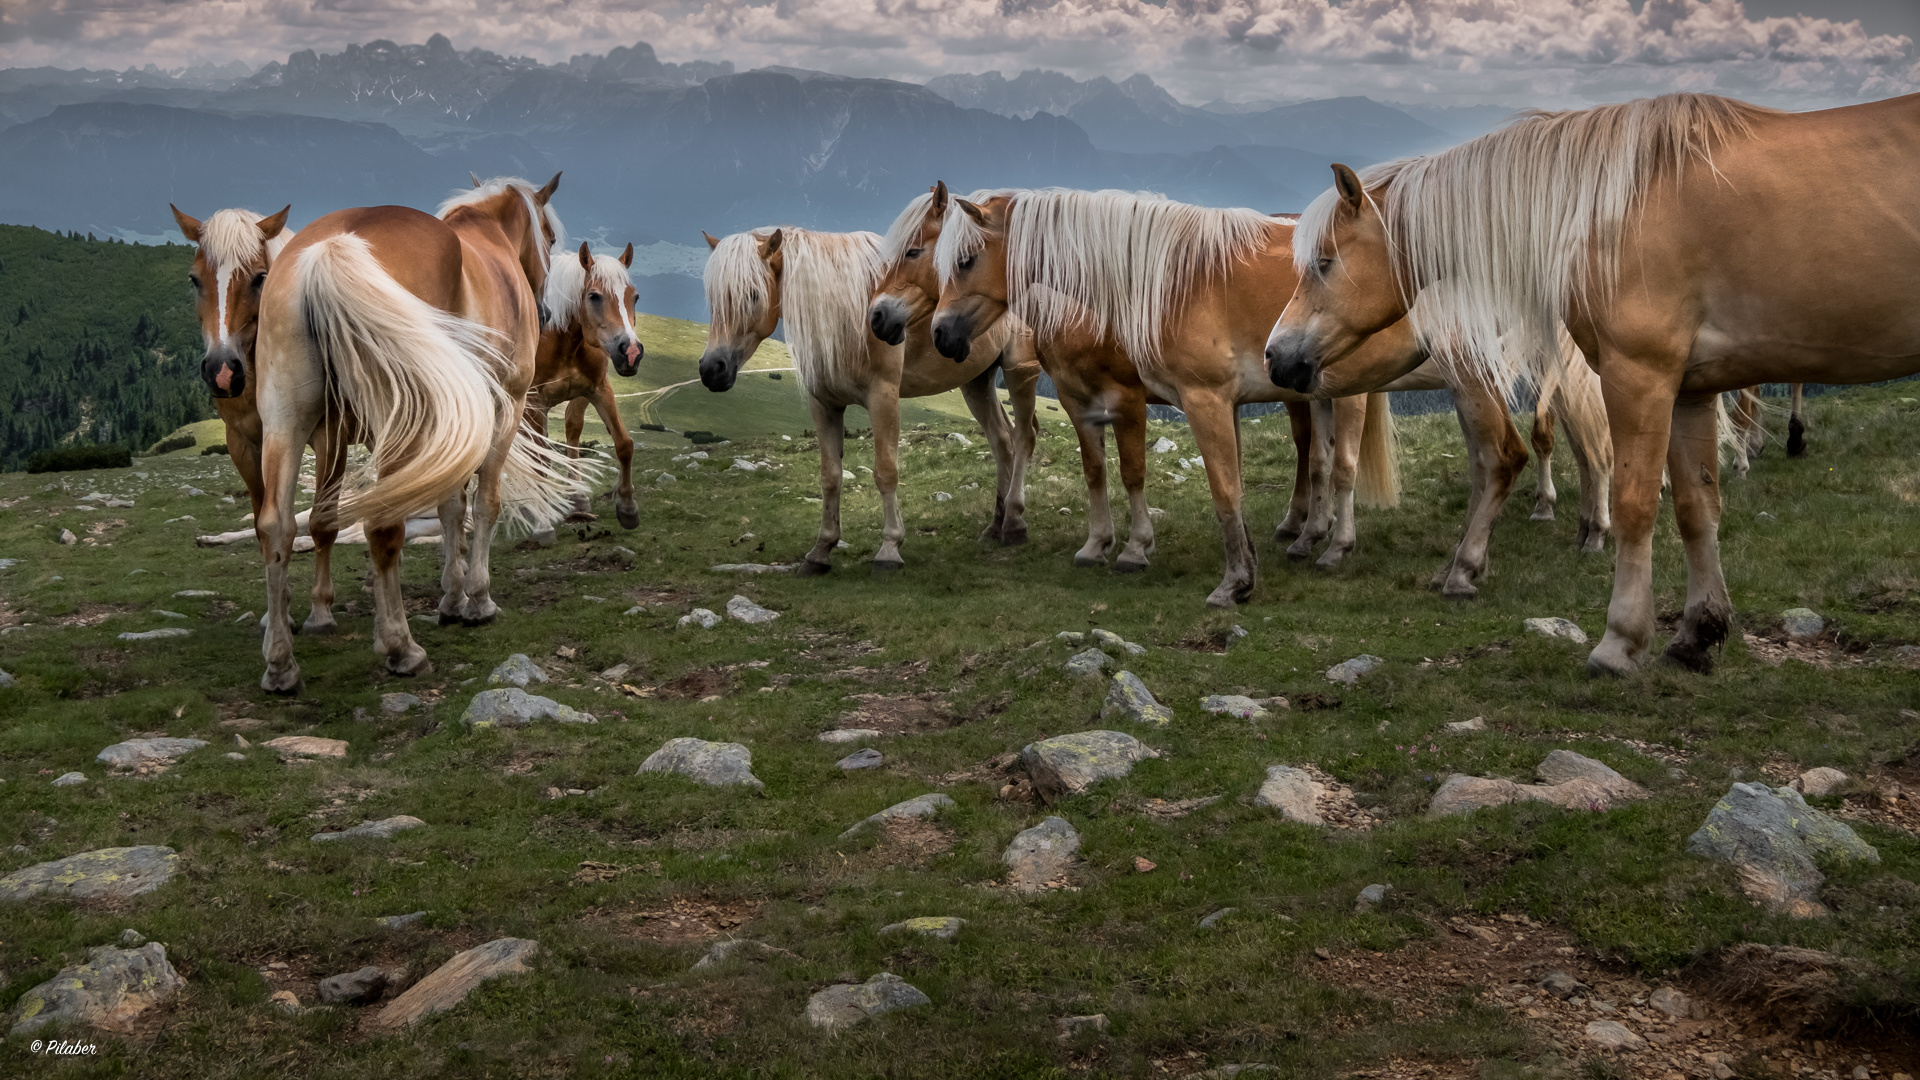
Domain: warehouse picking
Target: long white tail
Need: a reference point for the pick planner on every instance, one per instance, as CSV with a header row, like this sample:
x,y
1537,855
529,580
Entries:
x,y
422,381
539,481
1378,483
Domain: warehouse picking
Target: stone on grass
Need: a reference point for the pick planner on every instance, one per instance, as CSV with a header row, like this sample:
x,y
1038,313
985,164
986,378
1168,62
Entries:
x,y
1068,764
287,1002
132,939
67,537
1462,727
155,635
384,829
1293,793
395,922
1562,985
847,1004
861,759
353,988
1087,662
69,779
1556,627
5,679
1563,766
513,707
196,593
716,764
107,873
1038,858
1613,1035
137,752
1165,445
1772,837
1672,1002
1369,896
1108,637
1074,1025
397,703
1349,671
1572,781
961,439
749,612
748,568
307,746
1213,920
917,807
454,980
852,734
108,991
1129,699
723,950
943,927
1814,782
701,617
517,670
1238,705
1229,1072
1071,637
1802,623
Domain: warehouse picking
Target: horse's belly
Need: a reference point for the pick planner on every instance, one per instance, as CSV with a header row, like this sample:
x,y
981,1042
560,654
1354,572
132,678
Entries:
x,y
1723,360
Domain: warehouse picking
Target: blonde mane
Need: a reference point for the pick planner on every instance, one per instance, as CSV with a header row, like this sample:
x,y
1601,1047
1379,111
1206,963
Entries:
x,y
535,212
825,282
905,229
231,238
1511,229
567,284
1111,262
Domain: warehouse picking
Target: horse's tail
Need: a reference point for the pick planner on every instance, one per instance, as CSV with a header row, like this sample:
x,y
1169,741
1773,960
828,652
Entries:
x,y
1378,483
1583,411
422,382
541,481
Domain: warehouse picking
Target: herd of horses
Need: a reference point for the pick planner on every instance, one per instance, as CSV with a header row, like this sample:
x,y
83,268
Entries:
x,y
1617,269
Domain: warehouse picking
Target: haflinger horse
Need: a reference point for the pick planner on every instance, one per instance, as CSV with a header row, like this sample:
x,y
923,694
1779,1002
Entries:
x,y
589,300
820,284
421,331
1652,230
1187,294
233,251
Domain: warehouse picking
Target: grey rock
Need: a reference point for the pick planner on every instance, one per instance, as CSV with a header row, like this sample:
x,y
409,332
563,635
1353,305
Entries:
x,y
1113,640
353,988
511,706
1562,985
1349,671
1071,637
1129,699
5,679
845,735
1370,896
666,478
717,764
944,927
1562,766
67,537
749,568
1556,627
749,612
1766,517
1238,705
1087,662
845,1005
961,439
1772,837
916,807
1814,782
722,950
196,593
384,829
861,759
233,755
1068,764
155,635
112,988
1213,920
1613,1035
1573,781
1802,623
396,922
518,670
1164,445
1462,727
942,496
1041,856
132,939
136,752
165,614
69,779
104,873
452,981
1074,1025
1292,792
701,617
397,703
1672,1002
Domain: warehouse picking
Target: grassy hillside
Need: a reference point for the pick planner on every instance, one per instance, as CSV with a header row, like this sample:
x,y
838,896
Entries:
x,y
627,885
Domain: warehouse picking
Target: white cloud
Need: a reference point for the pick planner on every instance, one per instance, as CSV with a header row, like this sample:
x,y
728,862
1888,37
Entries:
x,y
1550,52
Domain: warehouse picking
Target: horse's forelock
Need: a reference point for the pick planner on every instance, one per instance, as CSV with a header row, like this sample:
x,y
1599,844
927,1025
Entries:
x,y
904,233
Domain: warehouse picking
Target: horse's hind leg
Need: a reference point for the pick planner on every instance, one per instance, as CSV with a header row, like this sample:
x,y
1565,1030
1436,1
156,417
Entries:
x,y
1130,442
830,424
1796,426
1300,416
279,471
453,555
1217,430
1640,411
883,408
392,637
984,404
1349,429
624,506
329,465
1495,458
480,608
1093,465
577,423
1022,379
1693,461
1544,495
1320,502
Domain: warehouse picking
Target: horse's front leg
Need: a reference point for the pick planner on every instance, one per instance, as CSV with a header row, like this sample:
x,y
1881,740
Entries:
x,y
1544,495
883,408
479,608
624,505
1349,432
329,466
1217,431
1639,397
280,473
392,637
1023,379
577,423
830,425
1495,458
984,404
1130,442
1320,508
1796,425
1693,461
1093,466
1300,418
453,555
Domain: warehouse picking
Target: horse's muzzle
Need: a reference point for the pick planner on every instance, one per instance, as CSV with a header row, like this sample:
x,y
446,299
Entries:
x,y
953,337
717,370
888,319
1291,366
627,357
224,374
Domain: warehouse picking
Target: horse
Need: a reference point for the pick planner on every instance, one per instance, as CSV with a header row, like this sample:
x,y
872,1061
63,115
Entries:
x,y
422,330
820,284
1749,434
1645,229
1186,293
589,303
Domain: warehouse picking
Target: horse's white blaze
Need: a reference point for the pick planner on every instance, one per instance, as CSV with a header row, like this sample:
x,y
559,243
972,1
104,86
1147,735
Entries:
x,y
231,244
568,283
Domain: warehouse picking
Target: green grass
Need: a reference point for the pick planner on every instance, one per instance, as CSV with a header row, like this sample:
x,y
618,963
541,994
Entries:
x,y
498,859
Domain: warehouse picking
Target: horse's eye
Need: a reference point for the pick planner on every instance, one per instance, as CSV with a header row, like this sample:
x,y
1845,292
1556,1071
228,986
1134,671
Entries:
x,y
594,296
1324,265
967,263
259,281
914,253
194,280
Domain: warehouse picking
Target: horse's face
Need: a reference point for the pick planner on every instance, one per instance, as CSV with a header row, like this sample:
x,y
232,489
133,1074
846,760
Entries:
x,y
232,253
604,310
744,308
910,289
973,289
1347,293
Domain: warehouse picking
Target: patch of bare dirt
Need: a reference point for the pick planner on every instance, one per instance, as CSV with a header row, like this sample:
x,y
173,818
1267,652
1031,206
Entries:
x,y
1336,804
1171,810
1773,648
1891,798
898,714
684,920
1455,659
1216,640
910,842
1314,701
90,615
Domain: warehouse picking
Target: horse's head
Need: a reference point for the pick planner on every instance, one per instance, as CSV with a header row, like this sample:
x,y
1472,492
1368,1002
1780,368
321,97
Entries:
x,y
971,260
743,302
233,250
1348,287
525,215
909,288
592,293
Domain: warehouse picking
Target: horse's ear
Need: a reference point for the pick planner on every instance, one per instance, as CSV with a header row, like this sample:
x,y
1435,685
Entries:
x,y
712,240
547,191
771,245
189,228
973,210
1347,182
270,227
940,198
626,257
475,177
586,256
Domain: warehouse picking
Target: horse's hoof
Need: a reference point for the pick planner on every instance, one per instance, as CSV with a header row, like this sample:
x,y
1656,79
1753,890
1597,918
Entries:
x,y
888,567
629,516
285,683
1228,597
480,620
1329,559
809,568
1298,555
991,533
318,627
1013,537
1124,565
1285,536
1087,561
1610,658
1689,655
410,665
1543,514
450,618
1460,592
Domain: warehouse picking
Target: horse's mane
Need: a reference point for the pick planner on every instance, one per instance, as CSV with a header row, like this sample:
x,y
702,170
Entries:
x,y
567,280
1111,262
906,228
1510,228
825,282
526,190
232,238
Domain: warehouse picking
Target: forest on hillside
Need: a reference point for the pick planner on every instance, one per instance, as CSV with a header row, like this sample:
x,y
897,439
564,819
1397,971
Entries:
x,y
98,343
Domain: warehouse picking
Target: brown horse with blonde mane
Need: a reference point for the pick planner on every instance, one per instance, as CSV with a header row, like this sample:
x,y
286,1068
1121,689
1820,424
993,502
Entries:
x,y
1653,230
422,331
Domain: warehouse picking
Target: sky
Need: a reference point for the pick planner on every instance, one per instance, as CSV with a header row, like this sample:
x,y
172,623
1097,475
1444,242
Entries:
x,y
1549,53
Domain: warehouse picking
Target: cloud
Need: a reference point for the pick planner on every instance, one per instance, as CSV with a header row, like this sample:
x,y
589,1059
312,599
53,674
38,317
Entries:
x,y
1550,52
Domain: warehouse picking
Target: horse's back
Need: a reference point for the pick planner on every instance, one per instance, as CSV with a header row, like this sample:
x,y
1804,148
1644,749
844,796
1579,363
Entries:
x,y
416,248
